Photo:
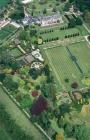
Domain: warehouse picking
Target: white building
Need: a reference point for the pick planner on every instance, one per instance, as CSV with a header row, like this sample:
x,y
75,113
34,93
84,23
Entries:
x,y
26,1
43,20
36,54
29,20
37,65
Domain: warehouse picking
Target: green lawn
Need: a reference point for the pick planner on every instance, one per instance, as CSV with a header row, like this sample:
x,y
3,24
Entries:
x,y
88,25
16,52
61,33
82,30
4,3
82,52
3,134
64,68
6,31
3,34
55,126
19,117
49,5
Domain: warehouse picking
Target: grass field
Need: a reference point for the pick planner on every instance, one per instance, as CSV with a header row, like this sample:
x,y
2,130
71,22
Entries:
x,y
88,25
61,33
82,52
19,117
4,3
49,5
64,68
3,134
6,31
16,52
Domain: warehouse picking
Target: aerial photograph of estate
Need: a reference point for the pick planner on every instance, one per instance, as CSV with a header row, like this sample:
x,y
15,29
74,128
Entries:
x,y
44,69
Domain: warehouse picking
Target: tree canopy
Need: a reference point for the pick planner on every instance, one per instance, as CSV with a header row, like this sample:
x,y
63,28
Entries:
x,y
82,4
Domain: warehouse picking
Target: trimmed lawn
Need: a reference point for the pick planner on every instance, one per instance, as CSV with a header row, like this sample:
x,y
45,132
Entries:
x,y
64,68
3,134
61,33
6,31
82,30
4,3
9,28
16,52
58,33
19,117
88,25
82,52
3,34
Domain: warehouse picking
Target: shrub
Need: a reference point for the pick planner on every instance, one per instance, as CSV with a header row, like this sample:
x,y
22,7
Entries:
x,y
74,85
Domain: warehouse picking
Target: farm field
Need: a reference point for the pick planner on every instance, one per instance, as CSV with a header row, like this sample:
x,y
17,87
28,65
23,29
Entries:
x,y
6,31
64,67
19,117
4,3
16,52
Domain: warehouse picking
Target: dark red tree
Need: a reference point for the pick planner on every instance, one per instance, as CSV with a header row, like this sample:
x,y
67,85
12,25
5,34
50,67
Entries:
x,y
39,106
35,93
